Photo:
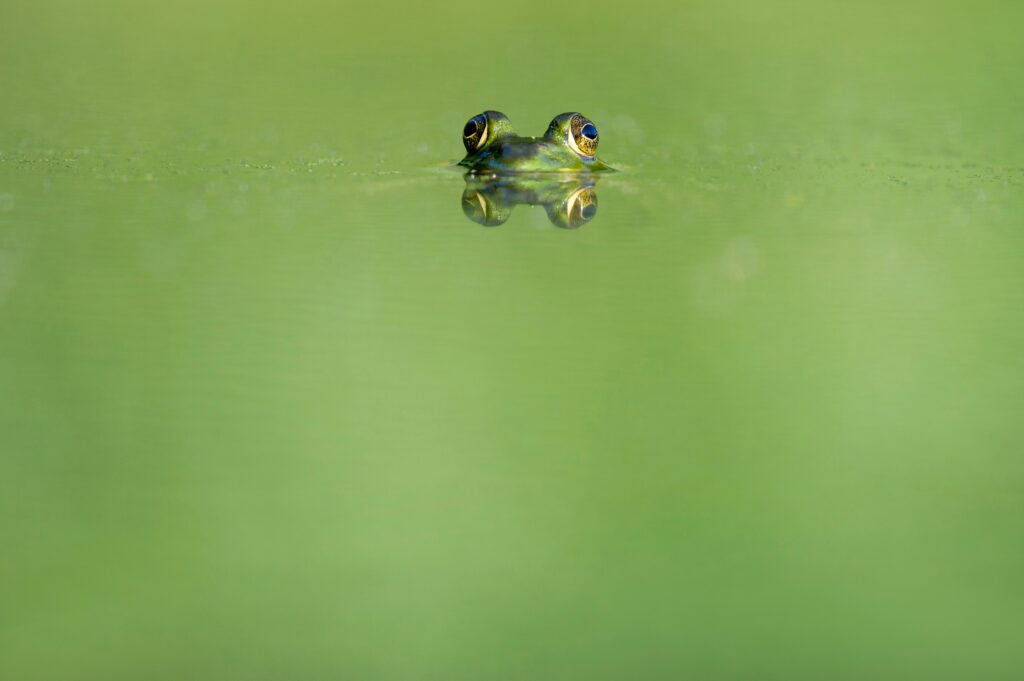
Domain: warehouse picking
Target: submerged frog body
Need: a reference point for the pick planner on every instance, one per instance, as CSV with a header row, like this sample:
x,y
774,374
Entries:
x,y
569,145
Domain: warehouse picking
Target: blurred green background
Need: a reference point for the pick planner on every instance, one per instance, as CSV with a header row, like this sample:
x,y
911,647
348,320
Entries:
x,y
271,407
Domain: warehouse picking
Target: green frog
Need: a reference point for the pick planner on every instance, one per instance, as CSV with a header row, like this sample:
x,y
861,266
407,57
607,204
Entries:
x,y
568,146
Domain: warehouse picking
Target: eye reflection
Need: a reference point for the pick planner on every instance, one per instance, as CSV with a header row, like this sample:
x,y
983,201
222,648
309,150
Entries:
x,y
570,202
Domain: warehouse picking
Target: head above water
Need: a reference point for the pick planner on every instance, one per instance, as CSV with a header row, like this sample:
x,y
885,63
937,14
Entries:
x,y
569,145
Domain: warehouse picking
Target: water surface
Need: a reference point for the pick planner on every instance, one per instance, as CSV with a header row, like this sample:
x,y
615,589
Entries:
x,y
273,407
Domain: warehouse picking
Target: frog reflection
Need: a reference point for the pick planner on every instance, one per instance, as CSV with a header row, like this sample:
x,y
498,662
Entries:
x,y
570,201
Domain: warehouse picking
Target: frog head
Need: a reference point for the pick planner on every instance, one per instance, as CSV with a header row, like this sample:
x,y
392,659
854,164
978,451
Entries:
x,y
568,146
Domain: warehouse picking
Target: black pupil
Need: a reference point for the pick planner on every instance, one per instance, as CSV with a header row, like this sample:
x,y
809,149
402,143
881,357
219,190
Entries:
x,y
588,211
470,128
589,131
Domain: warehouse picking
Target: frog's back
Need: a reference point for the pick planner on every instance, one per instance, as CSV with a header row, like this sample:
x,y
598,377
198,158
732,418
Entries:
x,y
525,154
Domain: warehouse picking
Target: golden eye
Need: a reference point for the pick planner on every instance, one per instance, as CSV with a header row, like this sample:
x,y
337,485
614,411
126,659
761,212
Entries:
x,y
583,135
474,135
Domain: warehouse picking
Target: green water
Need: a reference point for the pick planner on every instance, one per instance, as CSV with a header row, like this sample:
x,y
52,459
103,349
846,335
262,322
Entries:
x,y
273,408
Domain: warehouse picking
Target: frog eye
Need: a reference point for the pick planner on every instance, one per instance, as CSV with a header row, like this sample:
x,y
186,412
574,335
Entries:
x,y
583,135
474,135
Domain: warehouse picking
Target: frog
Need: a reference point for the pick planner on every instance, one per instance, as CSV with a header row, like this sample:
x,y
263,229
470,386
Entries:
x,y
569,199
568,146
